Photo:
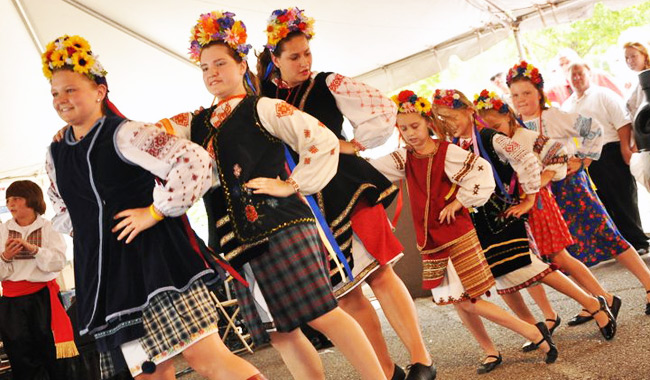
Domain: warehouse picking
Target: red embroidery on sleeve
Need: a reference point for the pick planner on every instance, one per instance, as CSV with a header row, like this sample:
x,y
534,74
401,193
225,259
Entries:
x,y
181,119
284,109
313,149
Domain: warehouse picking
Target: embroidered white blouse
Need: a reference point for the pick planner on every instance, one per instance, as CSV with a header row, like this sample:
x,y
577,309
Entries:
x,y
45,265
522,160
551,155
476,185
184,167
317,146
563,127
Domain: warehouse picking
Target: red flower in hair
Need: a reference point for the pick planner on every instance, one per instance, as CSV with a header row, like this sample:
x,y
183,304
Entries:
x,y
405,95
485,93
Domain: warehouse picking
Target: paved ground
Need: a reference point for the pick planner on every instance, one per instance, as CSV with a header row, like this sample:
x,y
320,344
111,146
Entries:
x,y
583,352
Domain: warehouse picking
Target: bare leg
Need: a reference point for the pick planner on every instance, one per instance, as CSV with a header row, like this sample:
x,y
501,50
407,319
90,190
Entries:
x,y
501,317
164,371
633,262
399,308
347,336
360,308
581,274
211,359
475,325
298,354
538,294
516,303
562,284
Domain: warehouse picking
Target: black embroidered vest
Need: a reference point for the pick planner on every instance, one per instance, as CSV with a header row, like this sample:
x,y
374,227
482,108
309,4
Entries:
x,y
115,281
245,150
503,239
355,177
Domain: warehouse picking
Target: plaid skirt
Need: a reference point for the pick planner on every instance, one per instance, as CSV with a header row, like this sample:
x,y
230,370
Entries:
x,y
173,321
293,280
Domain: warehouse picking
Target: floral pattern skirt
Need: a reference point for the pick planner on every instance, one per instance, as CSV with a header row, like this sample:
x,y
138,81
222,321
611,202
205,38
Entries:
x,y
597,237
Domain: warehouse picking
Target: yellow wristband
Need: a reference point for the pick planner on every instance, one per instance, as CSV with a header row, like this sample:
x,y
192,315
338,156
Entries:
x,y
155,214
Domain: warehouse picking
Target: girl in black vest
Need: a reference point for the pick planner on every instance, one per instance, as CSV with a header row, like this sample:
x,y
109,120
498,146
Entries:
x,y
499,223
256,210
353,202
140,270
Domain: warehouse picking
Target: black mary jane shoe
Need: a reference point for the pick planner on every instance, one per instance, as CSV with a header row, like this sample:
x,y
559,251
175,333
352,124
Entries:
x,y
398,373
579,319
530,346
609,330
419,371
615,306
551,355
489,366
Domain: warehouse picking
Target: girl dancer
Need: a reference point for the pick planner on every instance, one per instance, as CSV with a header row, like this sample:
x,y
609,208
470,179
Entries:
x,y
261,223
589,223
140,271
443,181
353,202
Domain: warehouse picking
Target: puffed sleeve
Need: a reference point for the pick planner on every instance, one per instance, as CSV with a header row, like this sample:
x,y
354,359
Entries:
x,y
317,146
640,168
554,157
184,167
61,221
522,160
392,165
51,255
6,269
472,174
179,125
590,134
370,112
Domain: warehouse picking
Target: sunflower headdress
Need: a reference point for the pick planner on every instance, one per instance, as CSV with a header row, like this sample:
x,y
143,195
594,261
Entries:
x,y
71,52
218,26
488,100
284,21
525,70
408,102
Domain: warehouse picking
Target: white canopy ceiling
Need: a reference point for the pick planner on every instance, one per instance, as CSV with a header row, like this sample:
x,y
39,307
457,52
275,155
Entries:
x,y
143,45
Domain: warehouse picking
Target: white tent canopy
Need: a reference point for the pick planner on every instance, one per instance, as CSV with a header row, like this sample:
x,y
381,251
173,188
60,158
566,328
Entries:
x,y
143,45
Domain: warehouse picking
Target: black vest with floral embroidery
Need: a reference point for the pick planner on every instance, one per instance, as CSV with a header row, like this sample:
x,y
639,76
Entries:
x,y
244,149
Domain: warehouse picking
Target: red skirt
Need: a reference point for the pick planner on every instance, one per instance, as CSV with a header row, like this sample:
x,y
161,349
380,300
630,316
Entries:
x,y
549,229
371,225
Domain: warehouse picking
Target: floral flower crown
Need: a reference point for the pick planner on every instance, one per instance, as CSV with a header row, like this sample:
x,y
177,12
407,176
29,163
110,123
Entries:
x,y
488,100
218,26
408,102
71,52
284,21
447,98
525,69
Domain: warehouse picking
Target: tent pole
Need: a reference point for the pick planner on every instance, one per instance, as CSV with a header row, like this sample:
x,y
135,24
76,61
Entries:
x,y
28,25
517,33
128,31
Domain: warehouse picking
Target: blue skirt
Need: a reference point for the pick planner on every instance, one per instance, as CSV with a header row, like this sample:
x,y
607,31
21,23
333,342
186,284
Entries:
x,y
596,235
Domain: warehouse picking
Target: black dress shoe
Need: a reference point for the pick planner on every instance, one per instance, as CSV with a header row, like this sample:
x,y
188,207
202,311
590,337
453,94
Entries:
x,y
609,330
579,319
398,373
489,366
419,371
551,355
529,346
615,306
